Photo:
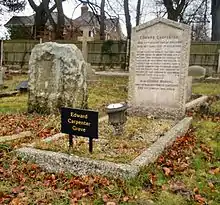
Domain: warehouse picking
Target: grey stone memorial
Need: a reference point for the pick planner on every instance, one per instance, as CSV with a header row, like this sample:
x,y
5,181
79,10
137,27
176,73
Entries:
x,y
57,78
159,64
194,71
197,71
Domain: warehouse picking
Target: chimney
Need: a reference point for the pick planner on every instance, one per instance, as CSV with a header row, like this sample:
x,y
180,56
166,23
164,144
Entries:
x,y
84,9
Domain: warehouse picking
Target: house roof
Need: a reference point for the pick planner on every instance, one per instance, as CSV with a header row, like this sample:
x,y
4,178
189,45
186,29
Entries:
x,y
29,20
90,19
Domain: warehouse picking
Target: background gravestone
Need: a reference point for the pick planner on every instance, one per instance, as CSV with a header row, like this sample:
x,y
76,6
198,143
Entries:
x,y
159,68
57,78
197,71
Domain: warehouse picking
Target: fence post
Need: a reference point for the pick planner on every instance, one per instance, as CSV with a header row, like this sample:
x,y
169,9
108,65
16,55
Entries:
x,y
218,69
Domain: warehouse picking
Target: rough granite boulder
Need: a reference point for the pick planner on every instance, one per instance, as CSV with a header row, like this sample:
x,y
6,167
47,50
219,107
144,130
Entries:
x,y
57,78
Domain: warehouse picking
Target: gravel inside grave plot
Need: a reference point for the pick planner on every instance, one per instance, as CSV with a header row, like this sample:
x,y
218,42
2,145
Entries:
x,y
139,133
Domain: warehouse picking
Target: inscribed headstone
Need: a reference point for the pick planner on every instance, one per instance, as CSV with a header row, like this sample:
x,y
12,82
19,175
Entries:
x,y
159,68
57,78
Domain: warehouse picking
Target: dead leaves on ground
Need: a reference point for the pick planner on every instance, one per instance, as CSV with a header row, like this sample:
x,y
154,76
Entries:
x,y
28,178
176,161
16,123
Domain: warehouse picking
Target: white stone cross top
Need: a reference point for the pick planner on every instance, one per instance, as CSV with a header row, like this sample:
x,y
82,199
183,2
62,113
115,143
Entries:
x,y
84,39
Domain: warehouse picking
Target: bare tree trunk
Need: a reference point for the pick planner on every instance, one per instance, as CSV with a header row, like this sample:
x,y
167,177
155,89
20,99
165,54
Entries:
x,y
102,20
40,21
215,20
42,14
40,17
60,20
138,12
127,18
128,27
174,12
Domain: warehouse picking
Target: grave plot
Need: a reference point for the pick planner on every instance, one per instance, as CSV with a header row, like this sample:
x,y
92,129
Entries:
x,y
115,157
138,135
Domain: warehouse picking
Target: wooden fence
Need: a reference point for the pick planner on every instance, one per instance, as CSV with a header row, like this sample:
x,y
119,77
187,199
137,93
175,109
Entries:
x,y
100,53
104,54
205,54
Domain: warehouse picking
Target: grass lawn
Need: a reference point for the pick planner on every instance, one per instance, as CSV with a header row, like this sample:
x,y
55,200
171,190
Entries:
x,y
206,88
188,173
101,93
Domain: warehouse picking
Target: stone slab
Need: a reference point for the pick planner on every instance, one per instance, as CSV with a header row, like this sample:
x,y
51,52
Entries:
x,y
197,102
160,51
60,162
8,94
15,136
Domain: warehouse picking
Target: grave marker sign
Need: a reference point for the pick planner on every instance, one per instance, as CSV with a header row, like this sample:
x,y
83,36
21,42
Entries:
x,y
80,123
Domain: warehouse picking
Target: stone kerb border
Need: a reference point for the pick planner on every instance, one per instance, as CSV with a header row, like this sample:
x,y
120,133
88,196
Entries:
x,y
207,80
15,136
197,102
60,162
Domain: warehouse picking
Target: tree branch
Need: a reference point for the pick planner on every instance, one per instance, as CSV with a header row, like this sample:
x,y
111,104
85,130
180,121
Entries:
x,y
33,5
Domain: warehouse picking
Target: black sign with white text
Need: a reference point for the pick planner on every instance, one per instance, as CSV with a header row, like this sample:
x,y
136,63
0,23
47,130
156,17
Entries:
x,y
79,122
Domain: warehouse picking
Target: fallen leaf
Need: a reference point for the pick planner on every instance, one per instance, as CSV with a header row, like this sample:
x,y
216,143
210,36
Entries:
x,y
177,186
125,199
211,185
214,171
77,194
74,201
196,190
167,171
110,203
105,198
152,178
164,187
18,189
53,177
15,201
200,199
